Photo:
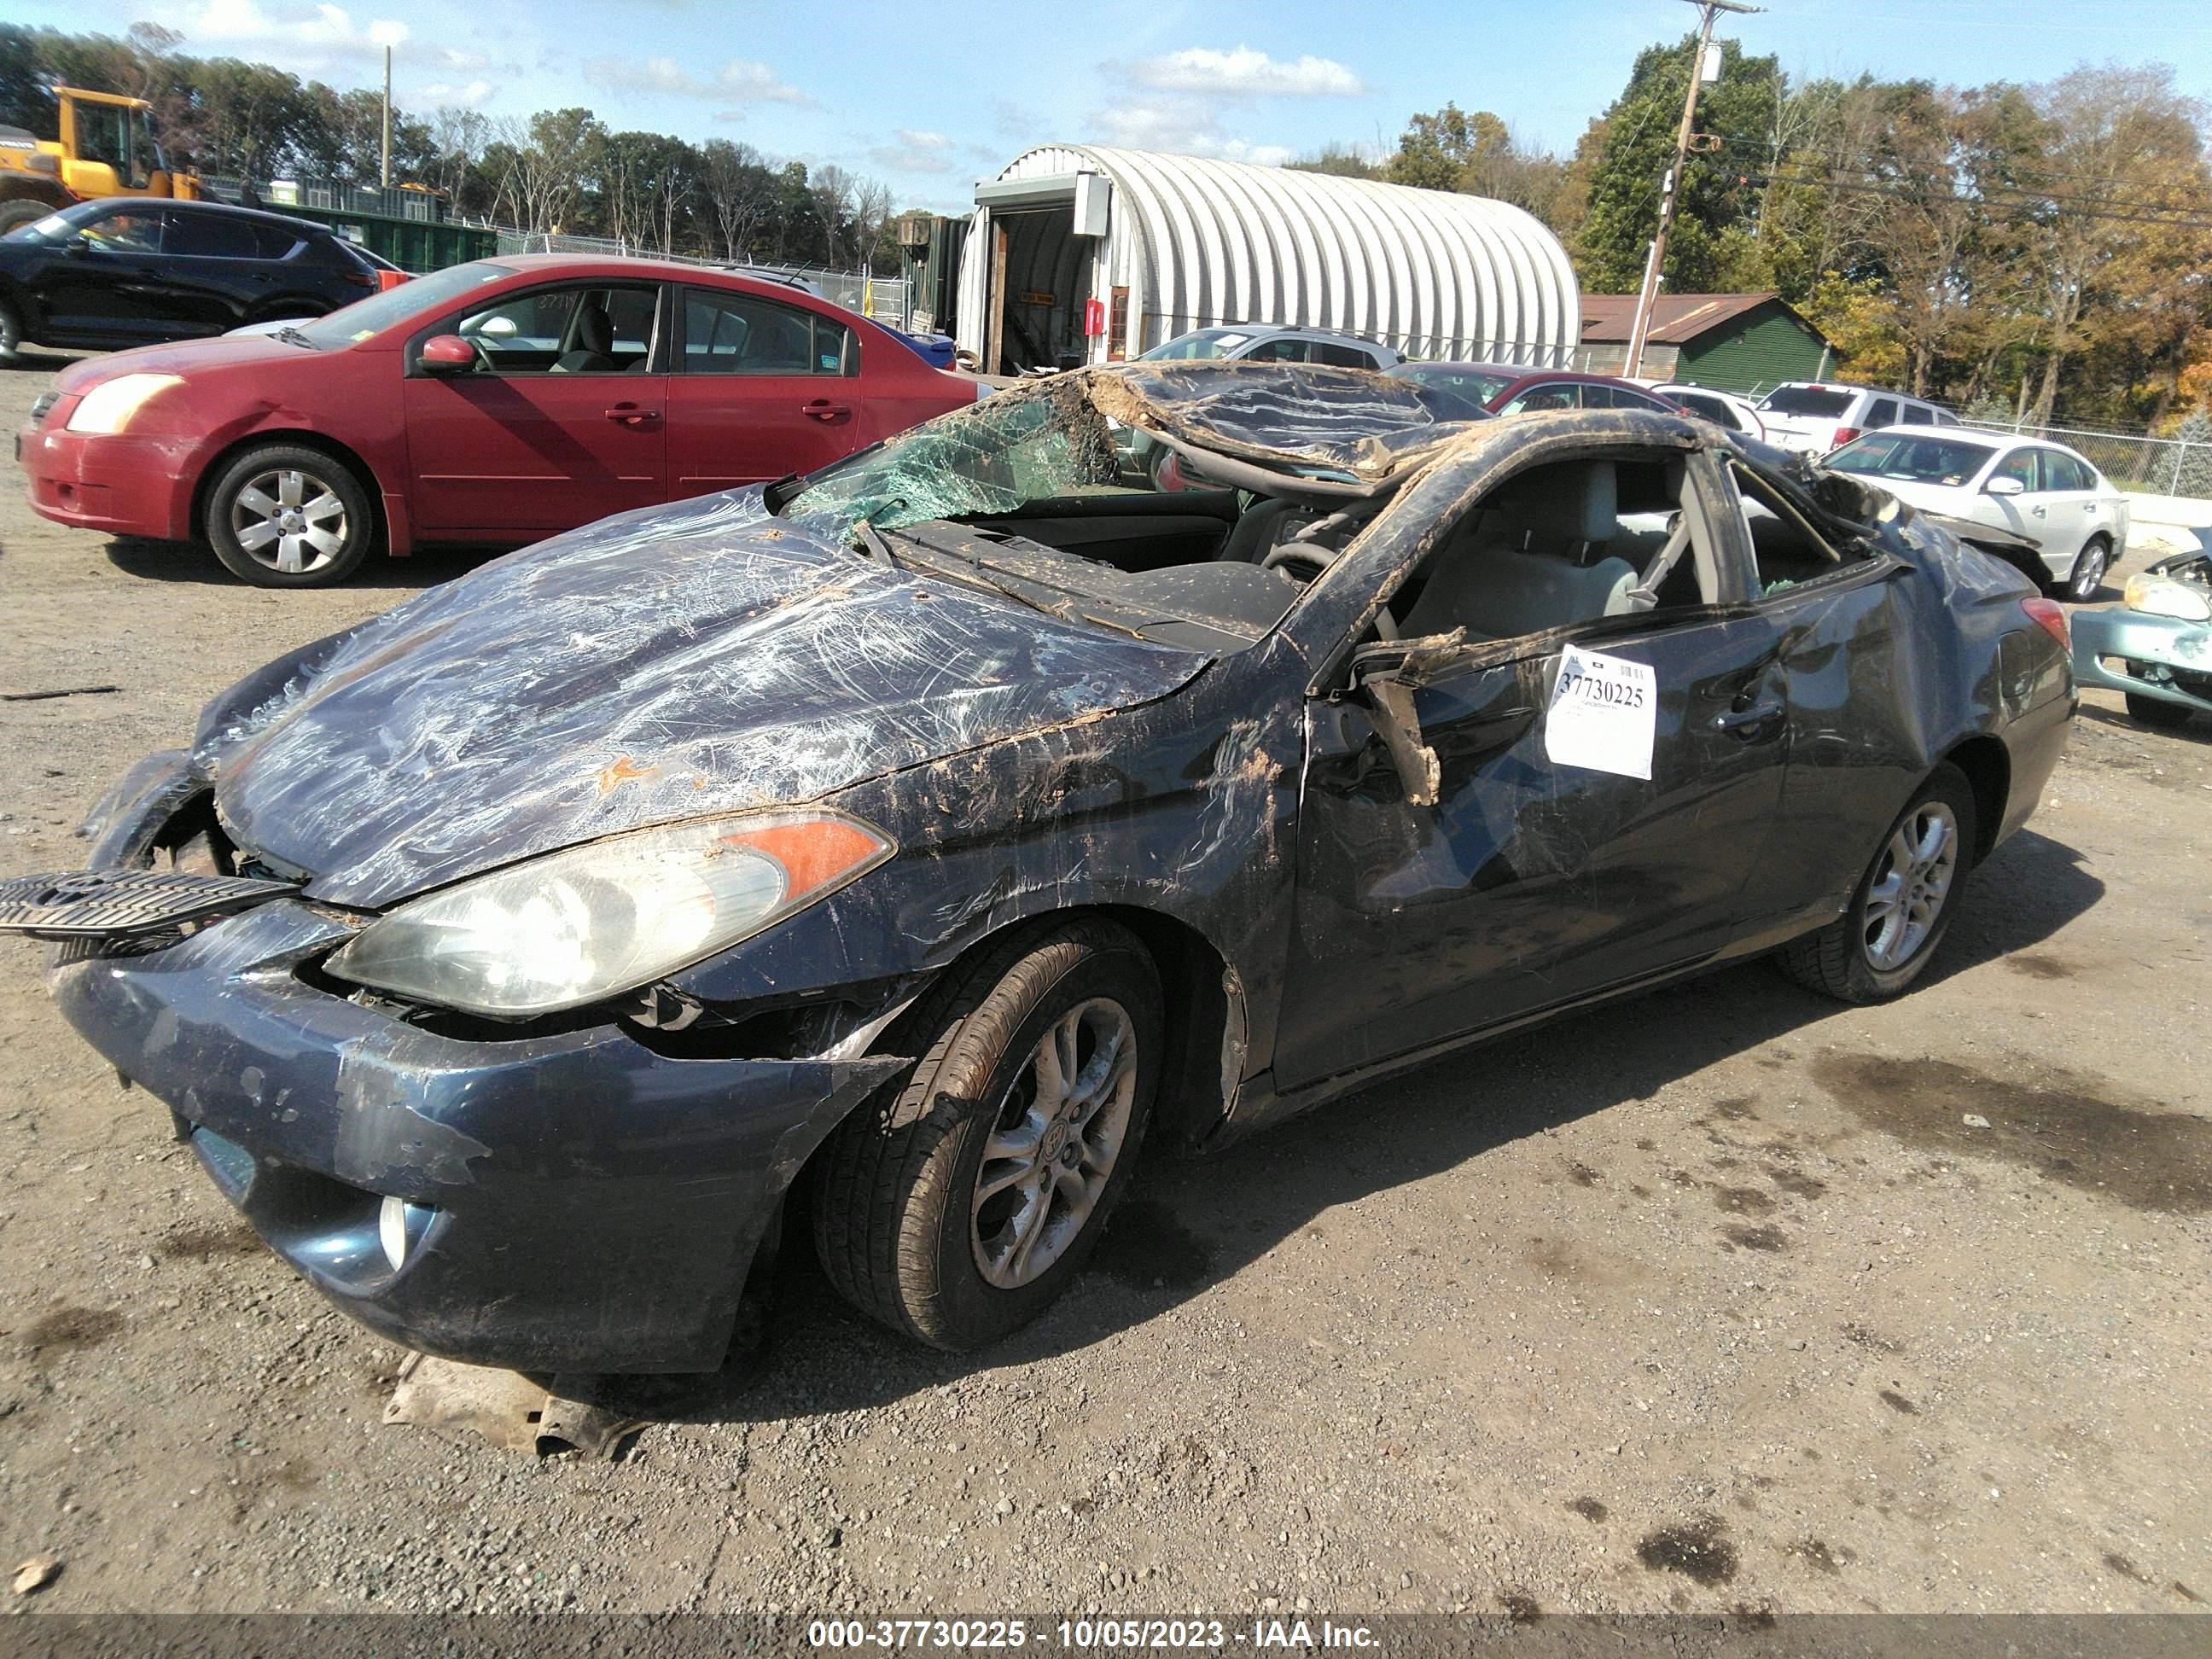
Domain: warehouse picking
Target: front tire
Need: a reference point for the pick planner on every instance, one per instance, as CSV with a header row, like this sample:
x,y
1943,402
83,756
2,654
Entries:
x,y
957,1208
2156,713
284,516
1903,904
2086,580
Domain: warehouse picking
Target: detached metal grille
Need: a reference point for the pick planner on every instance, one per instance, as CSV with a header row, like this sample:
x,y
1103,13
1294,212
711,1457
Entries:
x,y
124,903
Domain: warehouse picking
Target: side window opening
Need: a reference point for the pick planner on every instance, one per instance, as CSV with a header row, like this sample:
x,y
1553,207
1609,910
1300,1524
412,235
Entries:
x,y
1562,543
2020,465
567,330
741,334
1786,548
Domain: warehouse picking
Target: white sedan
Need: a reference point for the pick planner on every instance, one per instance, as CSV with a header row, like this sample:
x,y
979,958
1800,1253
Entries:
x,y
2043,492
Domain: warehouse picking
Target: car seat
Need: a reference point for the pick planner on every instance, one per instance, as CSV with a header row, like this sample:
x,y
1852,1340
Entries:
x,y
595,342
1532,559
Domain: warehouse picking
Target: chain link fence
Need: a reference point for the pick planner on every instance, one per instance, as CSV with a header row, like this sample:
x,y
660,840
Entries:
x,y
886,298
2166,466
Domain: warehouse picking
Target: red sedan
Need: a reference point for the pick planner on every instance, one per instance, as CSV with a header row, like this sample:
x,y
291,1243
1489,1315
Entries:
x,y
1517,389
496,401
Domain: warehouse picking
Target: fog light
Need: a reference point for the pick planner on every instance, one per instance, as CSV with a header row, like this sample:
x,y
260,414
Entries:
x,y
399,1228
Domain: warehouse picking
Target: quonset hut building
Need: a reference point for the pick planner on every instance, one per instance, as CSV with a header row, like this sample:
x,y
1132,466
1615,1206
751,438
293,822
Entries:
x,y
1078,254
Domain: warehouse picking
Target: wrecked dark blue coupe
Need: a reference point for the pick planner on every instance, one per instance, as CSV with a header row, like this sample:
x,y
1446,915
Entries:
x,y
920,839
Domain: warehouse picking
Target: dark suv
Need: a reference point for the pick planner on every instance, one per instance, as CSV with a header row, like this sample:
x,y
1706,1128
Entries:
x,y
132,271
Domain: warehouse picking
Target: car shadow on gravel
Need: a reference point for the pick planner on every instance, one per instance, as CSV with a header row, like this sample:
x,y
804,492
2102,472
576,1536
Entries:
x,y
2198,730
1189,1222
154,561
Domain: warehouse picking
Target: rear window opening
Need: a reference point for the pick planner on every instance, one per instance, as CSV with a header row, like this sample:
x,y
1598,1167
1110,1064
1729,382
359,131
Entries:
x,y
1789,550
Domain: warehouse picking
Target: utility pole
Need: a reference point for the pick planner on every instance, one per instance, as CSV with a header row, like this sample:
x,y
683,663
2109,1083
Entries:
x,y
1648,295
387,116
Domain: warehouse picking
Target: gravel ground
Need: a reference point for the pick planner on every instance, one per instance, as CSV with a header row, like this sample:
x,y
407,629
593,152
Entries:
x,y
1714,1300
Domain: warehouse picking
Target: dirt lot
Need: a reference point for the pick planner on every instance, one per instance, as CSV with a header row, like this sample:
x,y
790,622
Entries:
x,y
1718,1299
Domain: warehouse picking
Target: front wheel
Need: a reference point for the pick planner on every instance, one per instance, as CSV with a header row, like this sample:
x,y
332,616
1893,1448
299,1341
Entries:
x,y
2086,579
1904,903
2156,713
957,1208
283,516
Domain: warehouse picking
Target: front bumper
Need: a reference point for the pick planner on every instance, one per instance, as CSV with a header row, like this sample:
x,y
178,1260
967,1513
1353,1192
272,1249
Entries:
x,y
2112,647
123,484
574,1203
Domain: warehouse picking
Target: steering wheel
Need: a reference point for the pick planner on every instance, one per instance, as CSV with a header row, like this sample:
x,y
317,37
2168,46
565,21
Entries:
x,y
1318,559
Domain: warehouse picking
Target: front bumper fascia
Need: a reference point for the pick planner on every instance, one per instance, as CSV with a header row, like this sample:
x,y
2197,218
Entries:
x,y
576,1203
2138,636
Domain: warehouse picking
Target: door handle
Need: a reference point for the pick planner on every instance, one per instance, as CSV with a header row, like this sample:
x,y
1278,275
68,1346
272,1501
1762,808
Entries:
x,y
2090,507
1753,725
2038,512
825,412
631,415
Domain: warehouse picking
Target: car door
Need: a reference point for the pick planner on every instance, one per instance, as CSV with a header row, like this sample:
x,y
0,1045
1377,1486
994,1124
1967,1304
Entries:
x,y
2071,511
1526,883
761,388
212,272
2015,510
105,285
544,434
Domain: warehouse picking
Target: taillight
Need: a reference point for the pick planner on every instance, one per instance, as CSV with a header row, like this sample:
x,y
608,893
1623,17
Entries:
x,y
2050,616
1844,435
358,278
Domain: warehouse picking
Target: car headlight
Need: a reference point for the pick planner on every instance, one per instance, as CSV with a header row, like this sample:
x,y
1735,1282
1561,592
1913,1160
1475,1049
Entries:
x,y
578,926
108,407
2163,596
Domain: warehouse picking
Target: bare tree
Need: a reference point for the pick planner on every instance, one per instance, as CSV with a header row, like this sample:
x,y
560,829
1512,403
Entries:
x,y
740,190
831,189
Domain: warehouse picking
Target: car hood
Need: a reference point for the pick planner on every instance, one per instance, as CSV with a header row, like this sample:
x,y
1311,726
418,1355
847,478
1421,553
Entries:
x,y
668,664
182,357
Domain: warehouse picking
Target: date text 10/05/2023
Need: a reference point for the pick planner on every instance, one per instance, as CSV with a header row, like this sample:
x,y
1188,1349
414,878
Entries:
x,y
1214,1634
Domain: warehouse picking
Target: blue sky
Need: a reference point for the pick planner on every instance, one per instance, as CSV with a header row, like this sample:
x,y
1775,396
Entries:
x,y
930,97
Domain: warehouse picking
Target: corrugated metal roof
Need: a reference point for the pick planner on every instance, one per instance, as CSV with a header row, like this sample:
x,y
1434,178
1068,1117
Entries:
x,y
1676,318
1199,243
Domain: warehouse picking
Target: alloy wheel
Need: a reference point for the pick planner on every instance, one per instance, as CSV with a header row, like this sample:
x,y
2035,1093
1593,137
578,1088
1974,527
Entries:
x,y
2089,571
1906,896
290,521
1054,1144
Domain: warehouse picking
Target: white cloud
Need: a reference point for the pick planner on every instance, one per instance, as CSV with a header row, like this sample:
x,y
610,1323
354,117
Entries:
x,y
306,37
737,82
916,151
1180,127
440,94
1245,73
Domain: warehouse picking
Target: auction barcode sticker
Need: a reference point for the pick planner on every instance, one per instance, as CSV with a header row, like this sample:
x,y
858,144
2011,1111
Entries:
x,y
1604,713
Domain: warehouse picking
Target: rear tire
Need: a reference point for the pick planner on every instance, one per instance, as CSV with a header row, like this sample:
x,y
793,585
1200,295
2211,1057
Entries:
x,y
2086,580
1904,903
958,1207
13,214
2156,713
11,333
283,506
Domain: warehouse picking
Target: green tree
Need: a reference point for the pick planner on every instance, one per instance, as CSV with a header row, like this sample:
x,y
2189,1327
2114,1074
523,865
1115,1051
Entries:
x,y
1638,148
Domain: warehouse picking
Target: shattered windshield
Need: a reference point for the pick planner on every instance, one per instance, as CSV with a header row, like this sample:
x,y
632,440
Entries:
x,y
986,461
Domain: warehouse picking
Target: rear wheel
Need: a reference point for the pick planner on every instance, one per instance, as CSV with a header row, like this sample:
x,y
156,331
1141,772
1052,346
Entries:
x,y
11,333
282,516
13,214
957,1208
2156,712
2086,579
1904,903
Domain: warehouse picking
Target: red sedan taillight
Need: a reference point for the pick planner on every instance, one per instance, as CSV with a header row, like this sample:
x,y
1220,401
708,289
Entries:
x,y
2050,616
1844,435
